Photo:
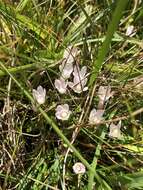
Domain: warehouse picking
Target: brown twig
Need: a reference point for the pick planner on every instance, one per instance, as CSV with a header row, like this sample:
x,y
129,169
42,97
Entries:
x,y
120,118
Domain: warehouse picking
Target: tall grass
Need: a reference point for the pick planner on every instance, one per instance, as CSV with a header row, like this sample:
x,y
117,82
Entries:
x,y
37,150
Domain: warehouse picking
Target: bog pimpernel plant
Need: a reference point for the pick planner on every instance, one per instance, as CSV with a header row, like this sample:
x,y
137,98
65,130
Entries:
x,y
39,94
71,95
115,130
63,112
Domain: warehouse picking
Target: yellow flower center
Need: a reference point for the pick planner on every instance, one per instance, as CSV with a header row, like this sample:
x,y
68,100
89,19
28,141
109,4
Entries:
x,y
64,114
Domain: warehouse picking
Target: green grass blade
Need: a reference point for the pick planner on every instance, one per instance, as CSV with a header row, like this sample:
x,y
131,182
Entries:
x,y
94,164
97,67
121,4
17,69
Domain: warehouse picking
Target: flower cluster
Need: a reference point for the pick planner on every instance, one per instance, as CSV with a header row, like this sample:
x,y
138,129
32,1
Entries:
x,y
67,68
96,116
78,85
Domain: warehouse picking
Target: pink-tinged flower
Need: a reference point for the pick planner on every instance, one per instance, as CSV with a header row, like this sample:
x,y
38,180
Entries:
x,y
79,80
61,85
79,168
39,94
66,68
129,30
70,54
104,93
95,116
63,112
115,131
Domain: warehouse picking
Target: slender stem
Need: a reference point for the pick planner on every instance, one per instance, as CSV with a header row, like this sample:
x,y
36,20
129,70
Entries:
x,y
17,69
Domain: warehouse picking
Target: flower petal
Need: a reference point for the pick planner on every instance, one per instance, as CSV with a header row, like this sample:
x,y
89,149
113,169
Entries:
x,y
115,131
63,112
57,84
61,85
39,94
66,107
79,168
83,71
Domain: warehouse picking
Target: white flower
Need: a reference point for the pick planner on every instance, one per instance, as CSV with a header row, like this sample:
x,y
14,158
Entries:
x,y
79,80
66,68
95,116
115,131
79,168
61,85
104,93
70,54
63,112
129,30
39,94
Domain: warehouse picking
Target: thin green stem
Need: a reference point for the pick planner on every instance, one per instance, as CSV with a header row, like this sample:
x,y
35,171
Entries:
x,y
94,164
17,69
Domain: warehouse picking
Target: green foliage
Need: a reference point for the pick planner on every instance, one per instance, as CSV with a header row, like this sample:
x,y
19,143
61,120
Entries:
x,y
33,142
